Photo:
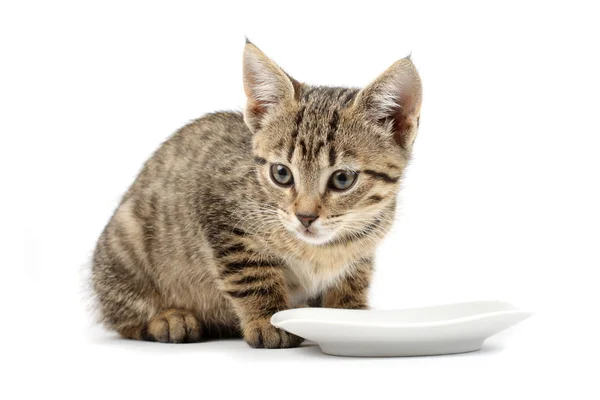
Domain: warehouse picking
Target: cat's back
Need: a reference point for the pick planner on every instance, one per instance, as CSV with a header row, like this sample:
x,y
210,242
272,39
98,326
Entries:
x,y
215,133
211,149
217,138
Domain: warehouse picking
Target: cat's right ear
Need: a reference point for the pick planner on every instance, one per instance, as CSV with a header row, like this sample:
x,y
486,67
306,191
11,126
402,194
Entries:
x,y
393,101
266,86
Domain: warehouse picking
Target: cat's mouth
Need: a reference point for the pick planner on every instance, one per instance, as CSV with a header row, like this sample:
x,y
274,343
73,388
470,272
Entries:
x,y
308,232
313,236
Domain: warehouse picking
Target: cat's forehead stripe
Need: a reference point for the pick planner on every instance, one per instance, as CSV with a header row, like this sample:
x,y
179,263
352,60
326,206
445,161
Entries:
x,y
324,102
333,125
318,148
332,156
299,118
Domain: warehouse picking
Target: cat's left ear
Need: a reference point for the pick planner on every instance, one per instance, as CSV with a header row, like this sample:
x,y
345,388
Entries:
x,y
266,85
394,101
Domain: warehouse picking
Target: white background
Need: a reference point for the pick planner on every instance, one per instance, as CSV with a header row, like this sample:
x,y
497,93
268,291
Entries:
x,y
501,200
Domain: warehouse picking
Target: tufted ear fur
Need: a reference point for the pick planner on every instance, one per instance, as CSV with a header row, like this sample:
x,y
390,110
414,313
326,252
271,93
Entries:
x,y
266,86
394,100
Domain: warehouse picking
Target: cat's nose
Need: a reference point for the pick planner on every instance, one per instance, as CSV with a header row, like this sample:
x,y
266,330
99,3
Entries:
x,y
306,219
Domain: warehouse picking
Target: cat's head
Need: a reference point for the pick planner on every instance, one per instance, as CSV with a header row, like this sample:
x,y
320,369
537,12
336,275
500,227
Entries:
x,y
330,159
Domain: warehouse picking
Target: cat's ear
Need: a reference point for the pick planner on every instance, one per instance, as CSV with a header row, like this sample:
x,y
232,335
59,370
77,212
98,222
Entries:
x,y
394,101
266,86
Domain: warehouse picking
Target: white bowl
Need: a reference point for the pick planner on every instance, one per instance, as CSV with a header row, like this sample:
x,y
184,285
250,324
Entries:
x,y
446,329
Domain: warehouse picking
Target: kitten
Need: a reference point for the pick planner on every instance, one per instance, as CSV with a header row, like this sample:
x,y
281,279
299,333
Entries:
x,y
236,217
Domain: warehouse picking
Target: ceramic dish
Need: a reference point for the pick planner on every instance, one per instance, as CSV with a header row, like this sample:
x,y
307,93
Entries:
x,y
445,329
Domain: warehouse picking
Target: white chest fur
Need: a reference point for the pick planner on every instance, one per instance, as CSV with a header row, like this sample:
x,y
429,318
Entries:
x,y
307,280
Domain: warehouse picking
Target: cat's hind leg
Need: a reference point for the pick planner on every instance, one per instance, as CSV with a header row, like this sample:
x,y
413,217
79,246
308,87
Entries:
x,y
131,308
124,282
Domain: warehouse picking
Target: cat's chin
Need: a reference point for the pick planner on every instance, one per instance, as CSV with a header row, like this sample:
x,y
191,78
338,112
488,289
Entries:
x,y
315,239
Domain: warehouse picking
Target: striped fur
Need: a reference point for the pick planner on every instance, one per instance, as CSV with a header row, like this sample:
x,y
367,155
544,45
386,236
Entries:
x,y
204,244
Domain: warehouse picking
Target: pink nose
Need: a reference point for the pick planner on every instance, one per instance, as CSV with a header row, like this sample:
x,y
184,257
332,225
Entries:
x,y
306,219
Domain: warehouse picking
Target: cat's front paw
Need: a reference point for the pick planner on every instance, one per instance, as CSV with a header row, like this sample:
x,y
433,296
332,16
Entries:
x,y
262,335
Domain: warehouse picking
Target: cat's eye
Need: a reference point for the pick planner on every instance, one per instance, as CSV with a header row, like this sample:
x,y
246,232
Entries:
x,y
342,180
281,175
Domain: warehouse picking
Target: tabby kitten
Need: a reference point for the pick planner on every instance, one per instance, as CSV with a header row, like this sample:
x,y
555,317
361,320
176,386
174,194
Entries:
x,y
236,217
